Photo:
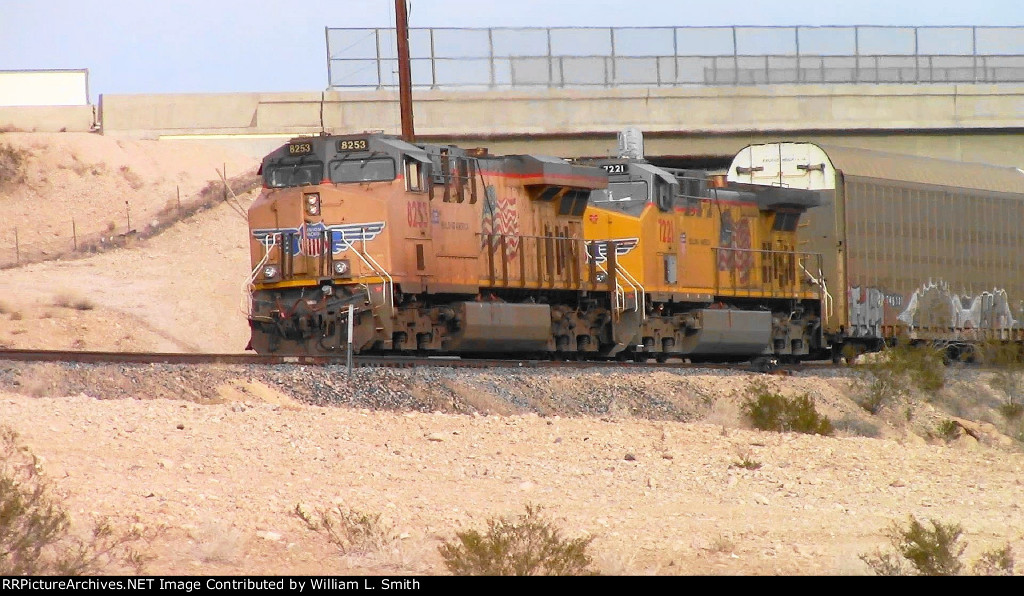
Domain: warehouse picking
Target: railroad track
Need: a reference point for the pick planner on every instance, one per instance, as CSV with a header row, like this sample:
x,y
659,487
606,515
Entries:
x,y
361,361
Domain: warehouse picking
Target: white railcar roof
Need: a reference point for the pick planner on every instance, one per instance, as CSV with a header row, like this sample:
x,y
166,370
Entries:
x,y
810,166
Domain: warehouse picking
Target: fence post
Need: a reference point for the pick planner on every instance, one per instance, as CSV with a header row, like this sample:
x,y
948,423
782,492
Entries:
x,y
74,234
348,348
224,175
128,216
17,249
177,191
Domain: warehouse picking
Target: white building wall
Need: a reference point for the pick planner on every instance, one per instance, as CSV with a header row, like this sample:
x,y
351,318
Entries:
x,y
44,88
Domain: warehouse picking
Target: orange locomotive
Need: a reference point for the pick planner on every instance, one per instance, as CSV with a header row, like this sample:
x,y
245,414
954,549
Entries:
x,y
438,248
446,250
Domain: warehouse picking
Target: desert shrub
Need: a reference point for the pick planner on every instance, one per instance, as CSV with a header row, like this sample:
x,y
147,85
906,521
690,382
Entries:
x,y
747,463
920,550
949,430
768,410
1007,363
69,300
886,385
997,353
997,561
1012,410
856,426
722,544
133,179
35,536
526,545
898,370
352,531
12,164
934,551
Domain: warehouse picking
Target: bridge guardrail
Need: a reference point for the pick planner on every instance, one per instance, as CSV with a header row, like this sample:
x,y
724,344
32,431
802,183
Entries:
x,y
566,57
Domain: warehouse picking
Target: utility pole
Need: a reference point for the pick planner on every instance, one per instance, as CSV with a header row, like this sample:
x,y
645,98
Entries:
x,y
404,71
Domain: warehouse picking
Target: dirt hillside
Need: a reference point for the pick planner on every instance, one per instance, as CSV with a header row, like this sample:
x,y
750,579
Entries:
x,y
177,291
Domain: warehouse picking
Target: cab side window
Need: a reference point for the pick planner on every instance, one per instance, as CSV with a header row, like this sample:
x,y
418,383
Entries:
x,y
415,178
663,195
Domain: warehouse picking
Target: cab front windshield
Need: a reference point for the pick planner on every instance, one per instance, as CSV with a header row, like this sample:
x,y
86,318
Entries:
x,y
622,196
365,169
299,174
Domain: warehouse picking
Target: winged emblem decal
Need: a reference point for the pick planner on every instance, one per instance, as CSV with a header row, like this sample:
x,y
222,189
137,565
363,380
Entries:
x,y
313,239
598,249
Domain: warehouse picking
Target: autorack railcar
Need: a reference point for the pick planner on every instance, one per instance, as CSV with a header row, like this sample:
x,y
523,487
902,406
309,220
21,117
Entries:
x,y
922,249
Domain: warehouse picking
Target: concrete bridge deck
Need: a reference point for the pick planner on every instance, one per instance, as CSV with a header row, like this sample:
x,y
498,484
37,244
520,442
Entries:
x,y
968,122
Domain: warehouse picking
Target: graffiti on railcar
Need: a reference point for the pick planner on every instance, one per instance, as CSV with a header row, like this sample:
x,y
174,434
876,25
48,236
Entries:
x,y
870,308
935,305
867,311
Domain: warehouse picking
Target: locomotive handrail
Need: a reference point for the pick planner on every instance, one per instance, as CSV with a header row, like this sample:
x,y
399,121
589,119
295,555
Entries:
x,y
786,285
556,263
369,261
820,282
620,292
268,243
641,302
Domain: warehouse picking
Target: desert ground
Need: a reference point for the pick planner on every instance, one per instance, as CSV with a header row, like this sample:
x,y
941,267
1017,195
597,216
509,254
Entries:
x,y
211,463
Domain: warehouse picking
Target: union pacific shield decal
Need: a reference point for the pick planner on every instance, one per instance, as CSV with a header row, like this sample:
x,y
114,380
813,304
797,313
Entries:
x,y
314,241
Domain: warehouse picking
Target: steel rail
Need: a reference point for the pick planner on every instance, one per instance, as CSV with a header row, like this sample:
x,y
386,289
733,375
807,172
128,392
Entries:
x,y
360,361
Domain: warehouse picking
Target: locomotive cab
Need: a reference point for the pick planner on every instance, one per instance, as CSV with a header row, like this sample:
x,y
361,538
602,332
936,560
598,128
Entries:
x,y
319,230
632,185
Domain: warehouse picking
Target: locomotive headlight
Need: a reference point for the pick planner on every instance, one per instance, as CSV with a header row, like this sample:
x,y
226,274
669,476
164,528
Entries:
x,y
341,267
270,271
313,203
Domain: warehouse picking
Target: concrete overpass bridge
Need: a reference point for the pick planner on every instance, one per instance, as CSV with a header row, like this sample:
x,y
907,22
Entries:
x,y
965,122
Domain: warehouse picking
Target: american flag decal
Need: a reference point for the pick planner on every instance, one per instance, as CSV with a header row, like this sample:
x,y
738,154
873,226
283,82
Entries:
x,y
500,217
733,235
598,249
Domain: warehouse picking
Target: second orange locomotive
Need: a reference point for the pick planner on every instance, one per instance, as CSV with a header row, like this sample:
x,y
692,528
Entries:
x,y
445,250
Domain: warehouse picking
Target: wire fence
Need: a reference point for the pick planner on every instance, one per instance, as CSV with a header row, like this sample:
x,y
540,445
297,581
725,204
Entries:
x,y
123,229
675,56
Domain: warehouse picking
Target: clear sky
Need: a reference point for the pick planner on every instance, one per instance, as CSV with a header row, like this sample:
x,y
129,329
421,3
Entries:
x,y
195,46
